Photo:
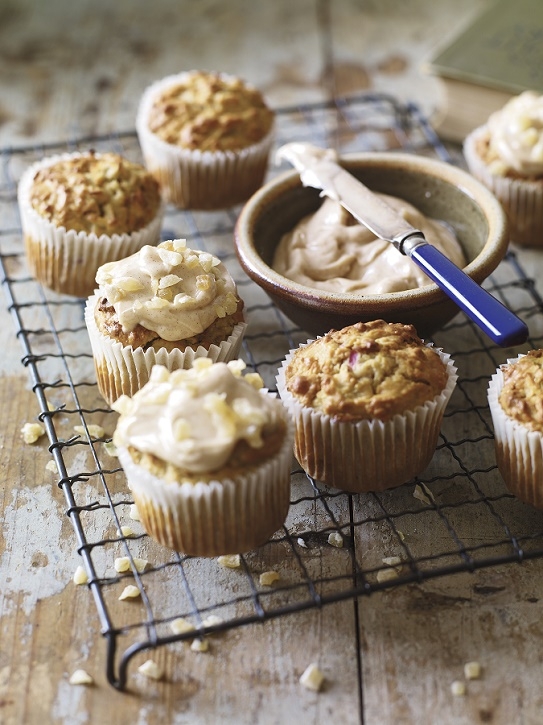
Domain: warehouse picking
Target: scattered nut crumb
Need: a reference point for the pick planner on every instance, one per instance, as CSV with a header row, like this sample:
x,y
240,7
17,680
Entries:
x,y
129,592
312,678
110,448
95,431
199,645
212,621
472,670
230,561
122,564
80,677
336,539
301,542
32,432
181,626
423,493
401,535
392,561
267,578
386,575
125,531
134,513
151,670
458,688
51,466
80,576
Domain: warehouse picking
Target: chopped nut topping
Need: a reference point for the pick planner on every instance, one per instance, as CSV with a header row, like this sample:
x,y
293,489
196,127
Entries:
x,y
458,688
312,678
95,431
386,575
134,513
80,576
129,592
199,645
32,432
80,677
472,670
230,561
122,564
336,539
51,466
151,670
268,578
181,626
110,448
212,621
125,531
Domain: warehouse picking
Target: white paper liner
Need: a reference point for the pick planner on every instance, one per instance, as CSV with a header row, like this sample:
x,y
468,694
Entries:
x,y
228,516
122,370
66,261
192,179
369,455
519,451
522,199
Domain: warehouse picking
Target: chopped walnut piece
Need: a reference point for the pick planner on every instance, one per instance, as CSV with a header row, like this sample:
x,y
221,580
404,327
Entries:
x,y
129,592
336,539
51,466
80,677
199,645
151,670
80,576
230,561
181,626
312,678
95,431
267,578
32,432
134,513
458,688
472,670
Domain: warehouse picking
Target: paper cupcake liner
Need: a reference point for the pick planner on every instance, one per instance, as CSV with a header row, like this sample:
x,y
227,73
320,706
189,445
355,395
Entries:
x,y
192,179
522,199
519,451
368,455
227,516
122,370
66,261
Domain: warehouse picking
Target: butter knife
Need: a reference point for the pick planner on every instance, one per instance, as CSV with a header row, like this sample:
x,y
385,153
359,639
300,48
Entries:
x,y
319,168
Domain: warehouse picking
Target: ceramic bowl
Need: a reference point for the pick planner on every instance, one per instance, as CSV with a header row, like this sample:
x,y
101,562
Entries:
x,y
437,189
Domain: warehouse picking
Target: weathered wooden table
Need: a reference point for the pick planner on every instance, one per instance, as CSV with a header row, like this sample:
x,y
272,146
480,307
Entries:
x,y
72,75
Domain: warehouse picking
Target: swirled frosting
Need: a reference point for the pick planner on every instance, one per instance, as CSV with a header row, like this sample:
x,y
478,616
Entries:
x,y
516,136
194,418
329,250
171,289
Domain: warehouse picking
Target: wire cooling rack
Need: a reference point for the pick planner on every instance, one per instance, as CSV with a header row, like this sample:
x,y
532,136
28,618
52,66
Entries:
x,y
460,497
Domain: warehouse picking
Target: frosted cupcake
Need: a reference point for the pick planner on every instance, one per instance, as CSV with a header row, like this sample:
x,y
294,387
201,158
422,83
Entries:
x,y
166,305
515,400
206,137
207,453
368,402
81,210
506,154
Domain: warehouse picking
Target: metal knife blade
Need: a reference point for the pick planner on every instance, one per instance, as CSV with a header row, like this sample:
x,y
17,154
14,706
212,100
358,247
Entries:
x,y
320,169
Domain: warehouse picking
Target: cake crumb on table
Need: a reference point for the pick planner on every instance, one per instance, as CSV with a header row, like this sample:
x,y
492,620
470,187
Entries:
x,y
312,678
458,688
267,578
151,670
129,592
32,432
80,576
80,677
230,561
199,645
472,670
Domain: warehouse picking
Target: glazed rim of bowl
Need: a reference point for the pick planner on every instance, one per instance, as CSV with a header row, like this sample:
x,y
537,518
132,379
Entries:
x,y
271,194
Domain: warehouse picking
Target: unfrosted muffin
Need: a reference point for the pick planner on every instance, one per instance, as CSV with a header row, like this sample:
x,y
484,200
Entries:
x,y
206,137
167,304
81,210
368,402
506,154
207,453
515,399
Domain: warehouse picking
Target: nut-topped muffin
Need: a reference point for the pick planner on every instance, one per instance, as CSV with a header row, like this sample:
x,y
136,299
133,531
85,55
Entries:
x,y
207,453
206,137
506,154
167,304
81,210
515,397
368,401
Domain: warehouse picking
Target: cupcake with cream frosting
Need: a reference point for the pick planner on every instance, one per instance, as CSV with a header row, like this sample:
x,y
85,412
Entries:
x,y
166,305
207,453
368,402
515,399
506,154
206,137
81,210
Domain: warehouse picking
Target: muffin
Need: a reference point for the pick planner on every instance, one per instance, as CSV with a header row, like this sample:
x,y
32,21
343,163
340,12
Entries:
x,y
206,137
368,402
506,154
81,210
167,304
207,454
515,401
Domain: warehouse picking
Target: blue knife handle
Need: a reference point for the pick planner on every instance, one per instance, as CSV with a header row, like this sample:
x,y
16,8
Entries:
x,y
499,323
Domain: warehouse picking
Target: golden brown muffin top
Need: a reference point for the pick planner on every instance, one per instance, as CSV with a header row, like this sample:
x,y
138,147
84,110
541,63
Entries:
x,y
366,371
210,112
96,193
522,394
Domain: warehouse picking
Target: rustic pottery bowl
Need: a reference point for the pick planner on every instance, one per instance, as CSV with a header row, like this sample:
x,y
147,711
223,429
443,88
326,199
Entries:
x,y
436,188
